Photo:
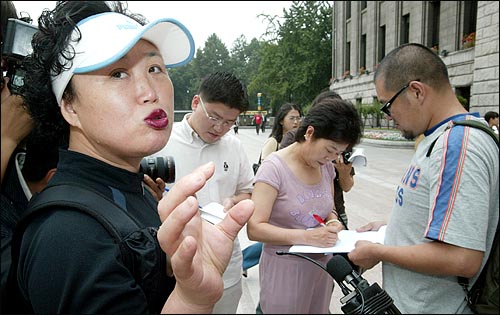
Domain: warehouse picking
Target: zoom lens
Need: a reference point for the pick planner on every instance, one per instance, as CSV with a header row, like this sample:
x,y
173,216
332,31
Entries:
x,y
159,166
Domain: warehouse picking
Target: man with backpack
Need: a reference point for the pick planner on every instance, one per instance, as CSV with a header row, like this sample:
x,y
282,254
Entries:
x,y
445,213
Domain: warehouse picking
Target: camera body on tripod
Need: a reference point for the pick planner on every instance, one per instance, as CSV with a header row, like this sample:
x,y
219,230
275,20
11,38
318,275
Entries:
x,y
16,46
371,300
362,298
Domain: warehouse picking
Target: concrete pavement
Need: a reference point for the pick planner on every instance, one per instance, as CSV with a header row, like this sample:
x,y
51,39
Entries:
x,y
370,199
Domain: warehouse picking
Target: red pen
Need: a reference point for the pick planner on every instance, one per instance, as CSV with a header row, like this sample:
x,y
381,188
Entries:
x,y
319,219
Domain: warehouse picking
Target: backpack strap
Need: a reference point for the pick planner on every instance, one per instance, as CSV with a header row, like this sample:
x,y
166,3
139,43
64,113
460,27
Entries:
x,y
112,217
468,123
464,282
478,125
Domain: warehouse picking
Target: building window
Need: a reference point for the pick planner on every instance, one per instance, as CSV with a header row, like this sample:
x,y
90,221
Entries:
x,y
363,5
405,29
470,16
469,27
381,43
362,52
433,30
463,95
347,10
347,57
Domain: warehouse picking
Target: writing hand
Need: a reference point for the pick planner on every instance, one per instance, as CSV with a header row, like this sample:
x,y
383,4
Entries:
x,y
325,236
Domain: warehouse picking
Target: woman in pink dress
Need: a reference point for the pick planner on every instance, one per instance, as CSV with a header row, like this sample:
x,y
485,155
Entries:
x,y
290,186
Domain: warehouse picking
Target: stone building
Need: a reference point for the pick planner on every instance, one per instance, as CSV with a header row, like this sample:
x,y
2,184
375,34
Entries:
x,y
464,33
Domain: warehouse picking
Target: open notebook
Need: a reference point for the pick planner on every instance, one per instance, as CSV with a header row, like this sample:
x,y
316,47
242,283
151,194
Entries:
x,y
345,243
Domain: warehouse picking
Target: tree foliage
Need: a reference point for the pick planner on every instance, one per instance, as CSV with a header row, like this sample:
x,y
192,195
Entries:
x,y
293,65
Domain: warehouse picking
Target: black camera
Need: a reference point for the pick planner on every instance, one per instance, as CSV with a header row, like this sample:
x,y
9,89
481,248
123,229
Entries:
x,y
16,46
162,167
346,155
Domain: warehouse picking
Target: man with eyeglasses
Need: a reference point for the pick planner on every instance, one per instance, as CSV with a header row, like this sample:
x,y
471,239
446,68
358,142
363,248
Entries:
x,y
446,207
204,136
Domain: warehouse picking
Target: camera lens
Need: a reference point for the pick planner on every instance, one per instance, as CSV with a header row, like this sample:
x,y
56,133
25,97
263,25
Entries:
x,y
346,155
162,167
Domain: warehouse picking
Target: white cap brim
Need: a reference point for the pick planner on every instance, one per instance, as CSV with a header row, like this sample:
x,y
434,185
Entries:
x,y
107,37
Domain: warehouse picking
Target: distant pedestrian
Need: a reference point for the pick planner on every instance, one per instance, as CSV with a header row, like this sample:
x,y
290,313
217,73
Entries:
x,y
492,120
236,125
263,125
257,120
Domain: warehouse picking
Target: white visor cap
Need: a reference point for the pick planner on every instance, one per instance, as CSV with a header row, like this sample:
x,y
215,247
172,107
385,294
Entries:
x,y
107,37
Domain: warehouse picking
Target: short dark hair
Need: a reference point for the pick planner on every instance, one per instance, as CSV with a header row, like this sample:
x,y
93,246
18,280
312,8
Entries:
x,y
411,62
490,115
226,88
41,156
325,94
333,119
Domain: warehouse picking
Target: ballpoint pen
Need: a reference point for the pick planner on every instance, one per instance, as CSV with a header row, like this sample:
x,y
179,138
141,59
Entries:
x,y
318,218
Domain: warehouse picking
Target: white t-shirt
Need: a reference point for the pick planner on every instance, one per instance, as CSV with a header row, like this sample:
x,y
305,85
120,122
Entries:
x,y
233,174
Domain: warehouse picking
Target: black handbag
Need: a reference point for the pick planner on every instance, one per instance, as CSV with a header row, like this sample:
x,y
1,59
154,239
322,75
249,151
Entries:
x,y
256,166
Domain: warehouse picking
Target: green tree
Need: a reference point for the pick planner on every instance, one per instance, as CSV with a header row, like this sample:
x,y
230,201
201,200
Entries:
x,y
245,60
183,79
296,63
212,58
186,79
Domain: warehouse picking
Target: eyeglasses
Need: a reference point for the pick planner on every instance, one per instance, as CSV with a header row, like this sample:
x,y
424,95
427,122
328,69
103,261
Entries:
x,y
295,118
387,106
216,121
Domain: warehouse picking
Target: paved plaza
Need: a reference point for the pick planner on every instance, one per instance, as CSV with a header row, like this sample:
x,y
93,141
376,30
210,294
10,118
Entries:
x,y
370,199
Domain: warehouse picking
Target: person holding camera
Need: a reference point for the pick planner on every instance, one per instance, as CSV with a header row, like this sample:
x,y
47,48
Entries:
x,y
105,89
16,125
16,120
203,136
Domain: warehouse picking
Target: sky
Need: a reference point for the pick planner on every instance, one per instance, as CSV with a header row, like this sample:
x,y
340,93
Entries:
x,y
227,19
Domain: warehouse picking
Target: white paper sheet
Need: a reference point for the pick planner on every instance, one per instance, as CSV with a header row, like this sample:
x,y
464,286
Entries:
x,y
345,243
213,212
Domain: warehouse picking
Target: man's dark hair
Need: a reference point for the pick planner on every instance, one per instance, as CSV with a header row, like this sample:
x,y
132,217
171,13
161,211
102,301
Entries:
x,y
490,115
411,62
225,88
40,158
